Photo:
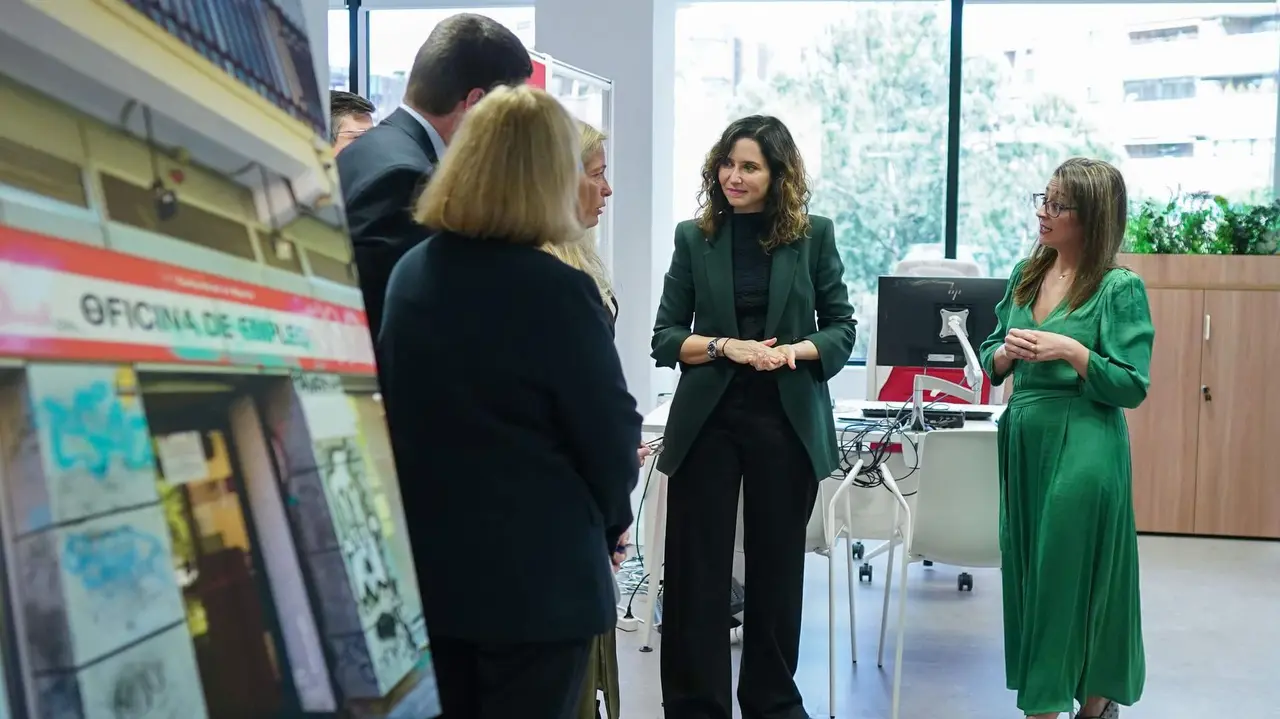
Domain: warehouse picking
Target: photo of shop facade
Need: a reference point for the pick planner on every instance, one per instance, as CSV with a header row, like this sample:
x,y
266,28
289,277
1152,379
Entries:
x,y
211,544
199,510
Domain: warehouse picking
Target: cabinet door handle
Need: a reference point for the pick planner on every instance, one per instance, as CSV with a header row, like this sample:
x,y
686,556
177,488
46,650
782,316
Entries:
x,y
1204,390
1208,323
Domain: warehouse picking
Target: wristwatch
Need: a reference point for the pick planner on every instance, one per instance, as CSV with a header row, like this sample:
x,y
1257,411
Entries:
x,y
713,349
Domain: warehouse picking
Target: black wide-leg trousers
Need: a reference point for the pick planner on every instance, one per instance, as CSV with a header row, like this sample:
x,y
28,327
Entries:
x,y
747,439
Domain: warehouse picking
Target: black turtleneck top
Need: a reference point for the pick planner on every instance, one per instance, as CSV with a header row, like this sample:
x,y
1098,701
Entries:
x,y
751,265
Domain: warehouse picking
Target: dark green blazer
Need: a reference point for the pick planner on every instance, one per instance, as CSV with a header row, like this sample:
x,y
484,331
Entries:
x,y
807,300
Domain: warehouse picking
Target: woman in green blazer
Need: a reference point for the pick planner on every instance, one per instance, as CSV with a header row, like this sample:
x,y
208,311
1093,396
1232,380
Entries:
x,y
755,313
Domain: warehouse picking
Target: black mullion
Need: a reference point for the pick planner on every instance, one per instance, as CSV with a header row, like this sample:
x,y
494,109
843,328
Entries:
x,y
353,32
951,232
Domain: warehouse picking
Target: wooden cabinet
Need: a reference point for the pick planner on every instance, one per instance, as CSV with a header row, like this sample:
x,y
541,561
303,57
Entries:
x,y
1206,443
1164,431
1238,469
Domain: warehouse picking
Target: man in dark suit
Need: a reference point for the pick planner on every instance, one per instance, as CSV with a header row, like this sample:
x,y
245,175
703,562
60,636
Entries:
x,y
463,58
350,116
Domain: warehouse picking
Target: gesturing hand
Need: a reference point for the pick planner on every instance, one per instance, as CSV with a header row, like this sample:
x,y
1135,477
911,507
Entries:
x,y
1037,346
1020,345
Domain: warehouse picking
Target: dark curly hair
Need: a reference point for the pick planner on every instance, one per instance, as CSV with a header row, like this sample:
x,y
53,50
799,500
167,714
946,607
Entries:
x,y
786,206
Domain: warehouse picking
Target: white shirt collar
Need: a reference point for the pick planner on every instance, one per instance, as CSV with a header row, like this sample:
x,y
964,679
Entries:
x,y
436,141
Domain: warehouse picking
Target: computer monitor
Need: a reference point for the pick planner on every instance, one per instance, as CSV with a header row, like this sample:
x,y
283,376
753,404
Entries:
x,y
911,323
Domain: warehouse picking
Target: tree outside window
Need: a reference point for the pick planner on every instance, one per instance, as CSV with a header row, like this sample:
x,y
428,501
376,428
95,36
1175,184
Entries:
x,y
864,88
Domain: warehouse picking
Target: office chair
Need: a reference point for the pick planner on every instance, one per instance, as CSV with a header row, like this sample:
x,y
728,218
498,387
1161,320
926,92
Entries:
x,y
956,519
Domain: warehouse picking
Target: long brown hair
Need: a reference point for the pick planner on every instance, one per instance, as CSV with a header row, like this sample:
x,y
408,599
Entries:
x,y
786,205
1096,191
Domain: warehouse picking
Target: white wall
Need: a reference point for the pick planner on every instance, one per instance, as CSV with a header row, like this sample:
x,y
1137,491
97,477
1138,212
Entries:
x,y
636,50
851,383
633,44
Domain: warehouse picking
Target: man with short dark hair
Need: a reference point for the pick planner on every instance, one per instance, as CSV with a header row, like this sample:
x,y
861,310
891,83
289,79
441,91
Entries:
x,y
350,116
463,58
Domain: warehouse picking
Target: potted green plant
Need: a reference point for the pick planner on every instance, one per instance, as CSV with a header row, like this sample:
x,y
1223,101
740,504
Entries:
x,y
1203,224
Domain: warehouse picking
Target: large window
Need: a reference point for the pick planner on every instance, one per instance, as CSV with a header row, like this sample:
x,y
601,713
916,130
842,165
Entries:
x,y
863,88
339,49
396,35
1180,96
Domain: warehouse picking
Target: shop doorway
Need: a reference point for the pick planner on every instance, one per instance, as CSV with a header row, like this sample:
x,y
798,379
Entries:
x,y
219,567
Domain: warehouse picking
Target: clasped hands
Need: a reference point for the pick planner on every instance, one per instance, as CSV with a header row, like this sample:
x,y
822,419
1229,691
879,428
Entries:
x,y
1037,346
764,356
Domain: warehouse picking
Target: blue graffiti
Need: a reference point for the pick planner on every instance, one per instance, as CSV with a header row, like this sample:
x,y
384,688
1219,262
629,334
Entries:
x,y
115,560
95,428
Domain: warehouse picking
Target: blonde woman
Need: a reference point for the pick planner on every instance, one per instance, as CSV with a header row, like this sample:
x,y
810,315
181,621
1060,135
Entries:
x,y
593,194
510,418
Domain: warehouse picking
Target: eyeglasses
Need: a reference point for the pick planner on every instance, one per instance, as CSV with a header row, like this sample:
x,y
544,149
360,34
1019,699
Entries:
x,y
1053,209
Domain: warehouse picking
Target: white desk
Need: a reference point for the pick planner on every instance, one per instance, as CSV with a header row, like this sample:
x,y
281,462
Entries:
x,y
656,421
873,513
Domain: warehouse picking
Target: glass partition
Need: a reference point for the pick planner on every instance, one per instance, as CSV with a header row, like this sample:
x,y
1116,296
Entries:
x,y
590,99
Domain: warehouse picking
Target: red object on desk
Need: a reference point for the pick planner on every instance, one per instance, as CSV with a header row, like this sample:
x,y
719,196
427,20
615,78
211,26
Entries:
x,y
539,77
901,382
891,448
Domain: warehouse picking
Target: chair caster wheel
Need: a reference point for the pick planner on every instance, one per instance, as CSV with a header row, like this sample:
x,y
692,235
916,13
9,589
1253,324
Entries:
x,y
928,562
964,582
858,550
864,572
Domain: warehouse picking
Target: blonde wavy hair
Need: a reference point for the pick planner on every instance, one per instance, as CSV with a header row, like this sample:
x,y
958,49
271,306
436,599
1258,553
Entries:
x,y
581,253
512,173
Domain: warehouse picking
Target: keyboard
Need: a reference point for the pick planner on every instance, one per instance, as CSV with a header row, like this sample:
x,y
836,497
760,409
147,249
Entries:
x,y
932,416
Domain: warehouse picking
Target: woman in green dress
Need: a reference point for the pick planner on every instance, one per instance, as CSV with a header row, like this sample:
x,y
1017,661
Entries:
x,y
1075,334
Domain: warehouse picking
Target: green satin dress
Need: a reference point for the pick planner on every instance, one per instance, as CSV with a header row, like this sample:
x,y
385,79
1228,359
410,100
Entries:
x,y
1072,617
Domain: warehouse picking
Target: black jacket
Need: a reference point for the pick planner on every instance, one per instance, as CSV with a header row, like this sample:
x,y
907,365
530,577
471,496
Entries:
x,y
382,174
515,439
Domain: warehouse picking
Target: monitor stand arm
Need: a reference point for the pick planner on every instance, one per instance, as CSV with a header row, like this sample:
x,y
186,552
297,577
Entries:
x,y
972,375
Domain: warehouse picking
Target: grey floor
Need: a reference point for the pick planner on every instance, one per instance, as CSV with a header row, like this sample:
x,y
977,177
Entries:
x,y
1211,617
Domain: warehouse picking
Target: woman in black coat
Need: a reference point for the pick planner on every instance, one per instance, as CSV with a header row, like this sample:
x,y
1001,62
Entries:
x,y
511,422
